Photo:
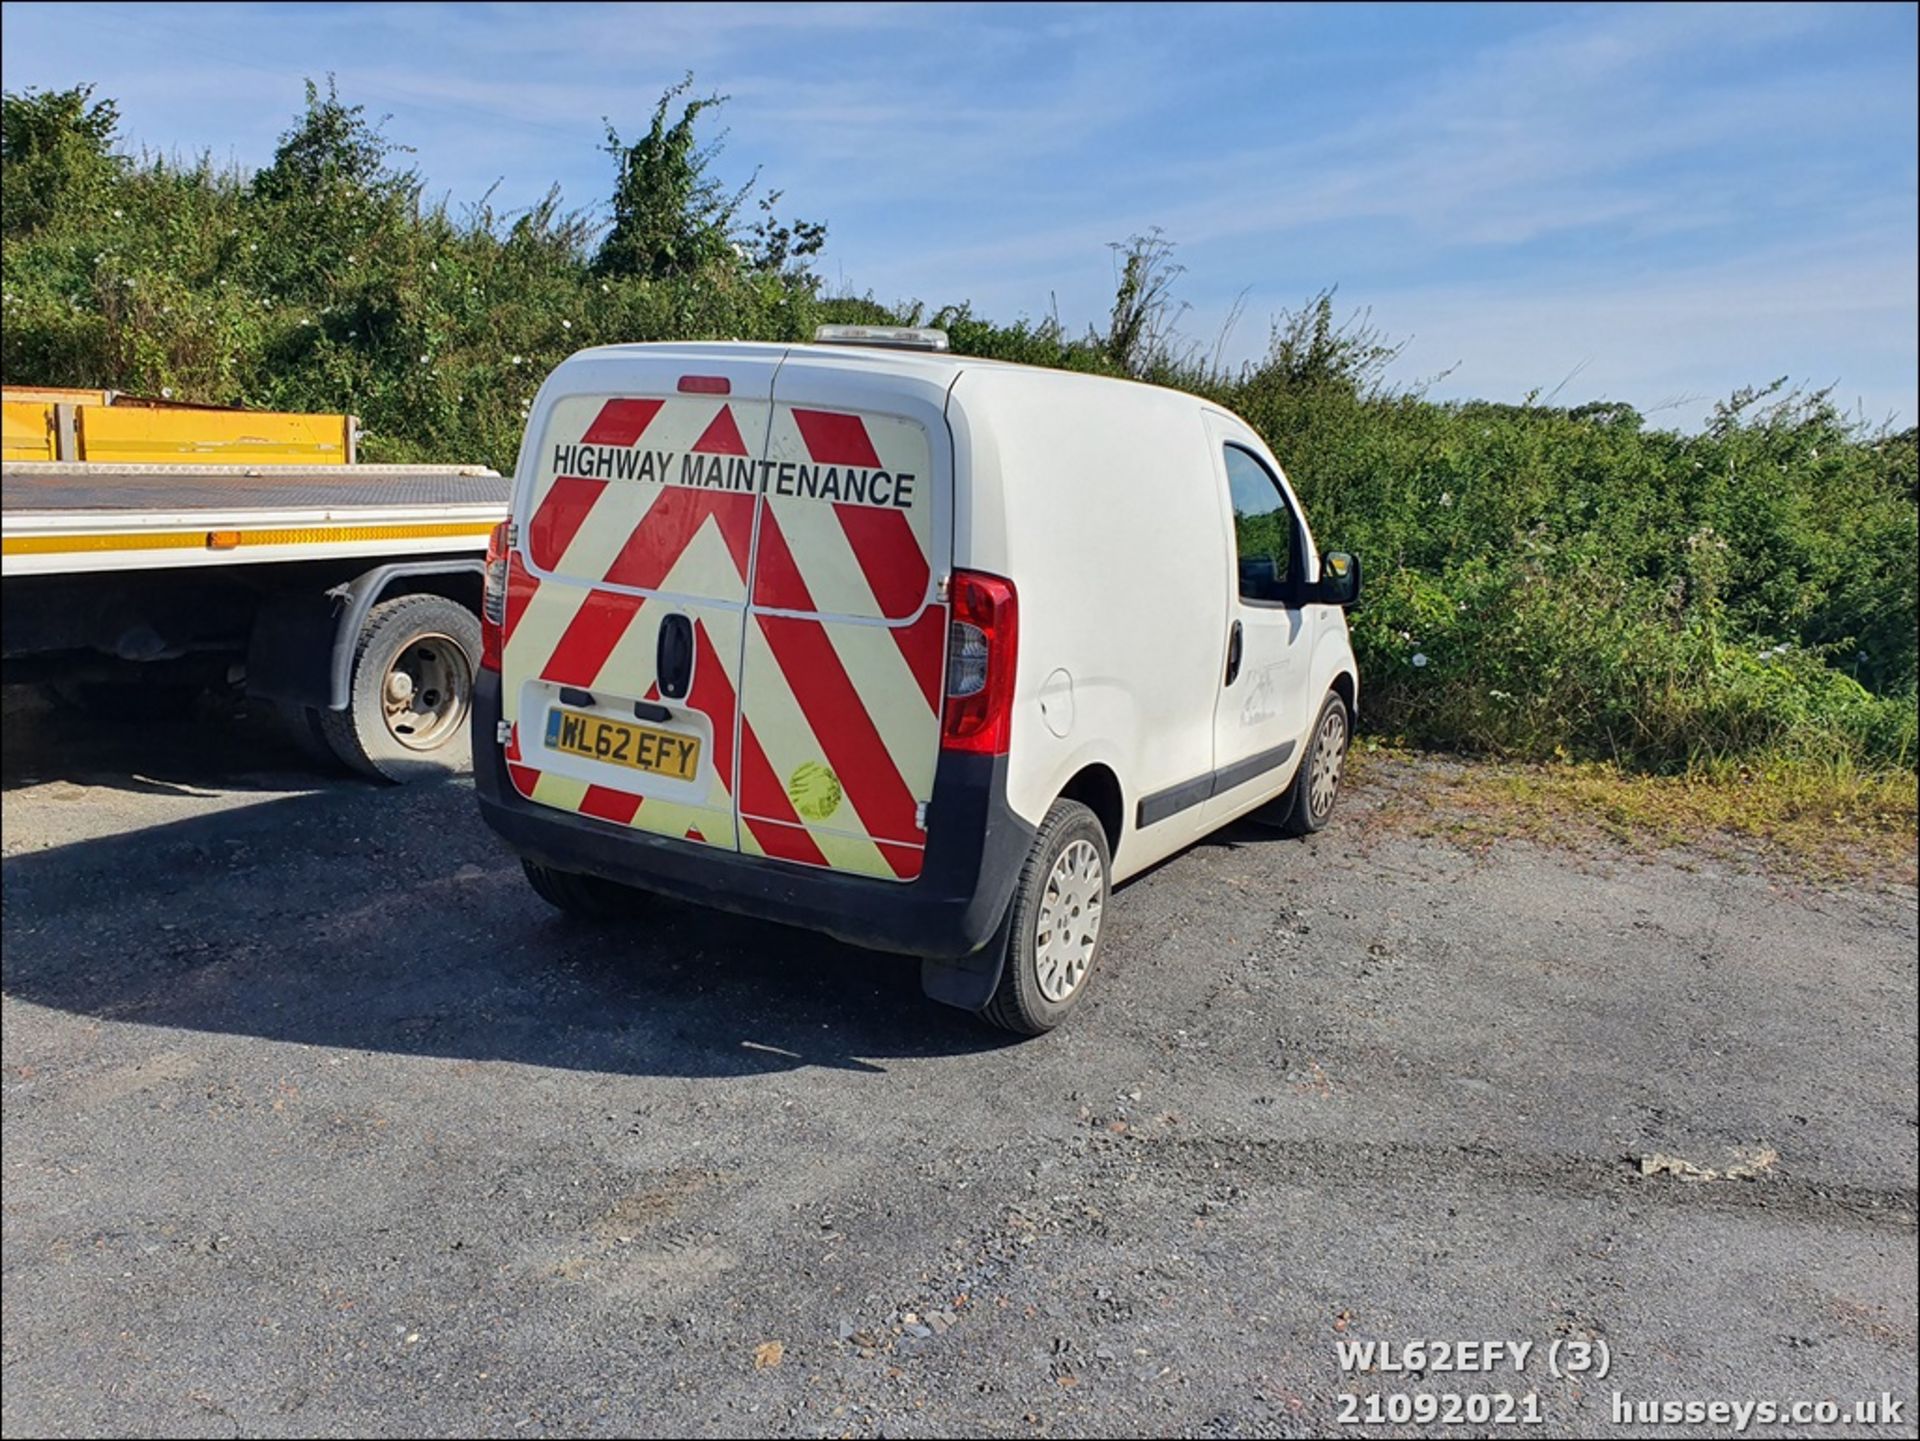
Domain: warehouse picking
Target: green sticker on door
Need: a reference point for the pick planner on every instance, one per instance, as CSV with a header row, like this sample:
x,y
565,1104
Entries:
x,y
814,791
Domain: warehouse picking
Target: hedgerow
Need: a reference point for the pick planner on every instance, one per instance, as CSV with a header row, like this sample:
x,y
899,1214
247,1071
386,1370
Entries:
x,y
1541,581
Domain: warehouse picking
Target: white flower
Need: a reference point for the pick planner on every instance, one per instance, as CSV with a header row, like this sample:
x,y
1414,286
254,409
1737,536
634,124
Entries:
x,y
425,358
1446,498
515,361
605,289
566,325
1419,660
116,215
434,266
166,392
254,246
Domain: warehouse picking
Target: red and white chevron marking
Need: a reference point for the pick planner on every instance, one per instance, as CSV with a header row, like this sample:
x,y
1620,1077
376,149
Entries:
x,y
860,699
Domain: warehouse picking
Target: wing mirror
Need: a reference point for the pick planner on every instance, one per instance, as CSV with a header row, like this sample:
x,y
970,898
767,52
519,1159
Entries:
x,y
1339,579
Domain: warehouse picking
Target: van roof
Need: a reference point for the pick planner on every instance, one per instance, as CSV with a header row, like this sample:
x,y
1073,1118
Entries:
x,y
917,362
937,366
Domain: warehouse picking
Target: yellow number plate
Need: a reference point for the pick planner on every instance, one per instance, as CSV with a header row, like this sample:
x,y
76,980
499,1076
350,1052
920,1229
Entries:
x,y
661,752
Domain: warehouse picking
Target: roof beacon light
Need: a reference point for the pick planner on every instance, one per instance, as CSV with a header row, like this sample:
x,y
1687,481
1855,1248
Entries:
x,y
890,337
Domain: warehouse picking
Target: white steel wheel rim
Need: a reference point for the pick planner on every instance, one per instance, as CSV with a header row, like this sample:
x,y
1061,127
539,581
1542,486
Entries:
x,y
1068,927
1329,751
426,692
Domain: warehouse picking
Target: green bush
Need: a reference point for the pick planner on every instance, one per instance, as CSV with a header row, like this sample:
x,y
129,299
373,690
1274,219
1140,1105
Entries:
x,y
1540,581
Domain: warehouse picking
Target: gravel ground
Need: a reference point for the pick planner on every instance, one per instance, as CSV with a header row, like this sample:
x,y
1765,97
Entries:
x,y
318,1122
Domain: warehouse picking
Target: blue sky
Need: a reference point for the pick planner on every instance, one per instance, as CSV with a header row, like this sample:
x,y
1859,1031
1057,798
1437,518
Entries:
x,y
1660,203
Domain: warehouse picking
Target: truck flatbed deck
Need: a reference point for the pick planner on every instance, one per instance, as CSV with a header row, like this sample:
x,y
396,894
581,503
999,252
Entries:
x,y
60,517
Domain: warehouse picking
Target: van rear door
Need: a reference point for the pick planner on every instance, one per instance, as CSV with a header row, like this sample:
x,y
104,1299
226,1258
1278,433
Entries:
x,y
845,647
628,590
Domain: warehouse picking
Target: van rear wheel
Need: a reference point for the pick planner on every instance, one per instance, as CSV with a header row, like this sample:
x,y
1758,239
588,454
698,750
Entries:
x,y
1052,934
588,898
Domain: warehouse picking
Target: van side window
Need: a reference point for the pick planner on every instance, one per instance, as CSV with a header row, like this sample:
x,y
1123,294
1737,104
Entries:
x,y
1263,528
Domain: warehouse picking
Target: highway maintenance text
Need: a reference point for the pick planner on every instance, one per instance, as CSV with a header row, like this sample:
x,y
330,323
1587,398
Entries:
x,y
800,479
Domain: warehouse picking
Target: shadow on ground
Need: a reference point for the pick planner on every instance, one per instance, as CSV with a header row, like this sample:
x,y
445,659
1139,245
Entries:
x,y
373,918
213,741
389,919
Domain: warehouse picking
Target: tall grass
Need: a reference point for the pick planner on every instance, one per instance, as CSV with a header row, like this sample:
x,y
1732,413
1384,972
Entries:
x,y
1541,581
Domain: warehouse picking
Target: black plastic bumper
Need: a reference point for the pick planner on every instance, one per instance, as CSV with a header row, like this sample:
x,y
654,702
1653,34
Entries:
x,y
975,847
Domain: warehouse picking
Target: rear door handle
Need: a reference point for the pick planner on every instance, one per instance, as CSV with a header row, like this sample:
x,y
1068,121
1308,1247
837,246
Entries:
x,y
673,657
1233,653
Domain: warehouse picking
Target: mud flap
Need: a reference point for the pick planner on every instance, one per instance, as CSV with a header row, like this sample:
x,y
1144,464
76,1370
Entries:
x,y
969,981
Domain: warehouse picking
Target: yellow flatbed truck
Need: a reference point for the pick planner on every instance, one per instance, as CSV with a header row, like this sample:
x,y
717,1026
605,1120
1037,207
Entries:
x,y
348,595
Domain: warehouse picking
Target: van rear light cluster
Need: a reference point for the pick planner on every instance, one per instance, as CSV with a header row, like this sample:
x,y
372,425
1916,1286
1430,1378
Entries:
x,y
493,598
982,640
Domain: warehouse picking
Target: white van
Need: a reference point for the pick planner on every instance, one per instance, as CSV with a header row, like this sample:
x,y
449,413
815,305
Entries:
x,y
921,651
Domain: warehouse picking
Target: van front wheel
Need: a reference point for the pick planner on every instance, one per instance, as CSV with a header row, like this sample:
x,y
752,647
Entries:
x,y
1307,804
1052,935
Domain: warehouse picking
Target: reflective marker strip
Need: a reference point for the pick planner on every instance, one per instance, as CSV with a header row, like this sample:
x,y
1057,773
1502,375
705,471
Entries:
x,y
201,539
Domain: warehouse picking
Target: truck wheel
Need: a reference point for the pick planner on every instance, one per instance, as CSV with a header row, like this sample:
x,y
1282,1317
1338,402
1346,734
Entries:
x,y
589,898
407,713
1307,804
1053,928
301,726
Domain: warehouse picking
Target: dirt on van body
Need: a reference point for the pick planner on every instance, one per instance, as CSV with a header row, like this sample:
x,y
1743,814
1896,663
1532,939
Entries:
x,y
317,1121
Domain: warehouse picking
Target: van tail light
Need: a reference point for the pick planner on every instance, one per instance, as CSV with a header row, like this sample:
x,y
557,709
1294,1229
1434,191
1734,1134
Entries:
x,y
493,598
982,640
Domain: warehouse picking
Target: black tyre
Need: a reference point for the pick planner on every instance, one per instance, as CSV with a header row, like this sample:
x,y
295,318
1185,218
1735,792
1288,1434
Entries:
x,y
1307,804
1052,931
300,724
407,716
587,898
